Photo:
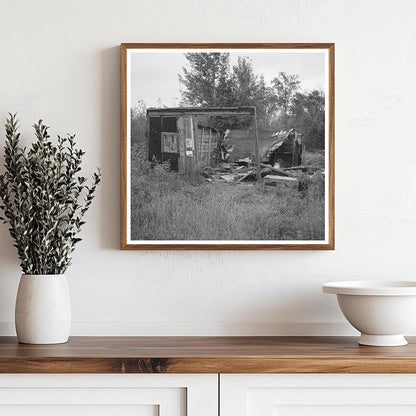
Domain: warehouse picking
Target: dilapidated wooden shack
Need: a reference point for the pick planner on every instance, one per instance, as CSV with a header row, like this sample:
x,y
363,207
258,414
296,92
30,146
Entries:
x,y
240,142
184,137
276,147
283,149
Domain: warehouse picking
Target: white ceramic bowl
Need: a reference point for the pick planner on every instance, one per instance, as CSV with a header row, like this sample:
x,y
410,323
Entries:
x,y
381,311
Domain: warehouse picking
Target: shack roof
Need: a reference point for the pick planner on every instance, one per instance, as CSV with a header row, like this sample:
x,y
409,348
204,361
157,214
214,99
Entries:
x,y
208,111
276,140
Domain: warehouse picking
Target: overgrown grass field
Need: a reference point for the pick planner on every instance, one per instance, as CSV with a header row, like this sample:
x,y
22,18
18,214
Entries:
x,y
167,205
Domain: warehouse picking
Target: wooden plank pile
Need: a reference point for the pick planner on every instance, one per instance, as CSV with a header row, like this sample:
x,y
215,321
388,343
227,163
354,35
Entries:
x,y
237,173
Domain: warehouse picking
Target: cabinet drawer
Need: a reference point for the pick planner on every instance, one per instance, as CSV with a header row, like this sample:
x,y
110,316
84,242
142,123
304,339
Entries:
x,y
318,394
108,395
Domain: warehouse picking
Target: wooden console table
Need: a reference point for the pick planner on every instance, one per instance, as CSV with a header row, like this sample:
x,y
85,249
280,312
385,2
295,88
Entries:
x,y
206,355
206,376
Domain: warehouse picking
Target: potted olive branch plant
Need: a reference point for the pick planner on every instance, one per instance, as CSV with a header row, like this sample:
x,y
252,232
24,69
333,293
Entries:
x,y
44,200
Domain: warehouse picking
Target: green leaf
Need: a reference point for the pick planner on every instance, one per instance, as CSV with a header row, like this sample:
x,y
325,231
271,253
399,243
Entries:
x,y
43,198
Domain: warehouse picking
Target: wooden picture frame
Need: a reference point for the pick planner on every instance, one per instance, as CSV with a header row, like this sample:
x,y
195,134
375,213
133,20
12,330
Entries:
x,y
193,149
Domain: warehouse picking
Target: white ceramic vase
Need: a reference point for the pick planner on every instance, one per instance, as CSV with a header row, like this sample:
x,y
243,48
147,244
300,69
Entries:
x,y
43,309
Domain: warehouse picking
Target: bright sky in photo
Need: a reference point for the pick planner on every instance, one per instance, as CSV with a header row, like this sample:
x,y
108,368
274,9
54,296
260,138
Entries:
x,y
154,75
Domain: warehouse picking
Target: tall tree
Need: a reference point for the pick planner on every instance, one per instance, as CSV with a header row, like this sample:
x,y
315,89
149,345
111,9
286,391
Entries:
x,y
206,79
265,102
244,82
308,117
285,87
242,92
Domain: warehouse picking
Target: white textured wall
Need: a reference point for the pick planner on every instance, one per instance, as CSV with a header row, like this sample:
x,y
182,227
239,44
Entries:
x,y
60,61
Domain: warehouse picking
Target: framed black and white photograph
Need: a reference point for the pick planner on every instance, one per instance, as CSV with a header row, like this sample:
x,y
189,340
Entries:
x,y
227,146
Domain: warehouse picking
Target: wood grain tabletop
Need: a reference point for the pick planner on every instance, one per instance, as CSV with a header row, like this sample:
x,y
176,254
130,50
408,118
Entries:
x,y
206,355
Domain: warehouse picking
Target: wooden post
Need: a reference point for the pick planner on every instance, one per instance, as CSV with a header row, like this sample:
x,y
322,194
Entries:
x,y
181,139
257,146
191,159
196,144
148,137
294,152
201,149
209,147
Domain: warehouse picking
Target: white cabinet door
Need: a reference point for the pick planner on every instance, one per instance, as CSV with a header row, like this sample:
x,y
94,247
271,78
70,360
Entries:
x,y
318,394
108,395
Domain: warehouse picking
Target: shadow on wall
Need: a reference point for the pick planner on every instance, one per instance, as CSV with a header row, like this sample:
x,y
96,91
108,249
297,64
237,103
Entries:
x,y
279,314
110,148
